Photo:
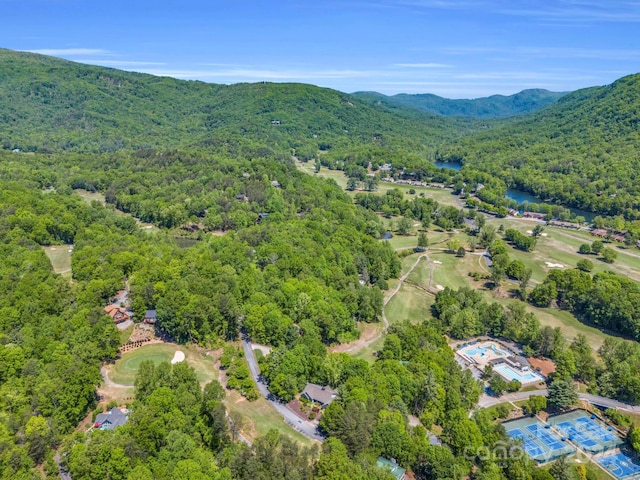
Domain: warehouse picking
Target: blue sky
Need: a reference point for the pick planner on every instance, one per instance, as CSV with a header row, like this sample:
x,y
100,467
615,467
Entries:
x,y
457,49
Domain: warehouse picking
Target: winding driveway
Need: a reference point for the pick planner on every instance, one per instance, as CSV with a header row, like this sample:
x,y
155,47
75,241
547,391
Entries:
x,y
306,428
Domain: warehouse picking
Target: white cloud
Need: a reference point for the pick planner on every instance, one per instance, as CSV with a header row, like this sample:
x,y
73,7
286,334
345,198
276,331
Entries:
x,y
71,51
520,52
121,63
264,74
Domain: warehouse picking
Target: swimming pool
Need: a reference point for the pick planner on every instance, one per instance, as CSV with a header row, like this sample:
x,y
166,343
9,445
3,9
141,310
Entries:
x,y
482,351
508,373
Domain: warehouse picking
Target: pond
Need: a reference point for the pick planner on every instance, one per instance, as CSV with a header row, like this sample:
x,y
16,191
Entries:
x,y
449,165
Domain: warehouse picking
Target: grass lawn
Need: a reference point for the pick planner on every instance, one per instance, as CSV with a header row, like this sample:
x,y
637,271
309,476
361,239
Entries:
x,y
60,258
259,417
125,334
595,471
440,195
410,303
530,388
125,369
493,409
450,272
561,246
367,353
635,418
91,196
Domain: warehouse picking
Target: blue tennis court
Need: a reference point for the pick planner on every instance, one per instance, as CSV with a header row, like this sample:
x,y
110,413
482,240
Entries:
x,y
576,435
543,445
586,431
529,444
546,437
619,465
596,430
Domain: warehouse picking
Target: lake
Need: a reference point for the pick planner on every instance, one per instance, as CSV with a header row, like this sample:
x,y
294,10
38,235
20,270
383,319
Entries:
x,y
520,197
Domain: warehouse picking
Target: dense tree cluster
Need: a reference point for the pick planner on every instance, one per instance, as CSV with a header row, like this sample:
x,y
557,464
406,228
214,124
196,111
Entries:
x,y
605,299
425,210
51,332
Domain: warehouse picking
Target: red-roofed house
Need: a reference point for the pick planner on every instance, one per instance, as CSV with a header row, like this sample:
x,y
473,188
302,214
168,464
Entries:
x,y
118,314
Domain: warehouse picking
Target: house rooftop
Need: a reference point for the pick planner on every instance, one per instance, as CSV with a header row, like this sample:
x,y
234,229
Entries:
x,y
324,395
396,470
111,419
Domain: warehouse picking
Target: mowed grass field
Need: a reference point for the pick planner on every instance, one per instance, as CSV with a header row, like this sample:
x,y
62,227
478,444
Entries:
x,y
259,417
440,195
409,304
453,273
560,246
60,258
126,367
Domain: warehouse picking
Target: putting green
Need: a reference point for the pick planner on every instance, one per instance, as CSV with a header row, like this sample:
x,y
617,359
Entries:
x,y
125,369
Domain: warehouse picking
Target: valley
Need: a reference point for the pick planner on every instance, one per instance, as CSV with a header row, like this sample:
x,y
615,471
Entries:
x,y
302,268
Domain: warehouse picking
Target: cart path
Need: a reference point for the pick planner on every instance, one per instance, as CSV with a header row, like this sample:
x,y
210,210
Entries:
x,y
386,301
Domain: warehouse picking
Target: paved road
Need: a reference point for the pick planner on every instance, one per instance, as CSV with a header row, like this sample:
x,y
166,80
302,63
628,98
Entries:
x,y
487,401
306,428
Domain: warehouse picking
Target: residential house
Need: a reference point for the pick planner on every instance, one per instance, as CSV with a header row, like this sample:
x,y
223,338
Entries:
x,y
275,183
558,223
242,197
111,419
395,469
317,394
150,316
118,314
535,215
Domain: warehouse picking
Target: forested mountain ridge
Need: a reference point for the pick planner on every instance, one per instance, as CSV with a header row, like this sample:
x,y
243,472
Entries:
x,y
495,106
581,151
50,104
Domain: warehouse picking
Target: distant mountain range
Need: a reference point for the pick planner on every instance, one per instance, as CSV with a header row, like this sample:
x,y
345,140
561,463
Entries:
x,y
495,106
50,104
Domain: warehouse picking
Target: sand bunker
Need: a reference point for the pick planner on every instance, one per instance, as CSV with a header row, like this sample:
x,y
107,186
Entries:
x,y
529,232
177,357
439,287
544,234
554,265
437,262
